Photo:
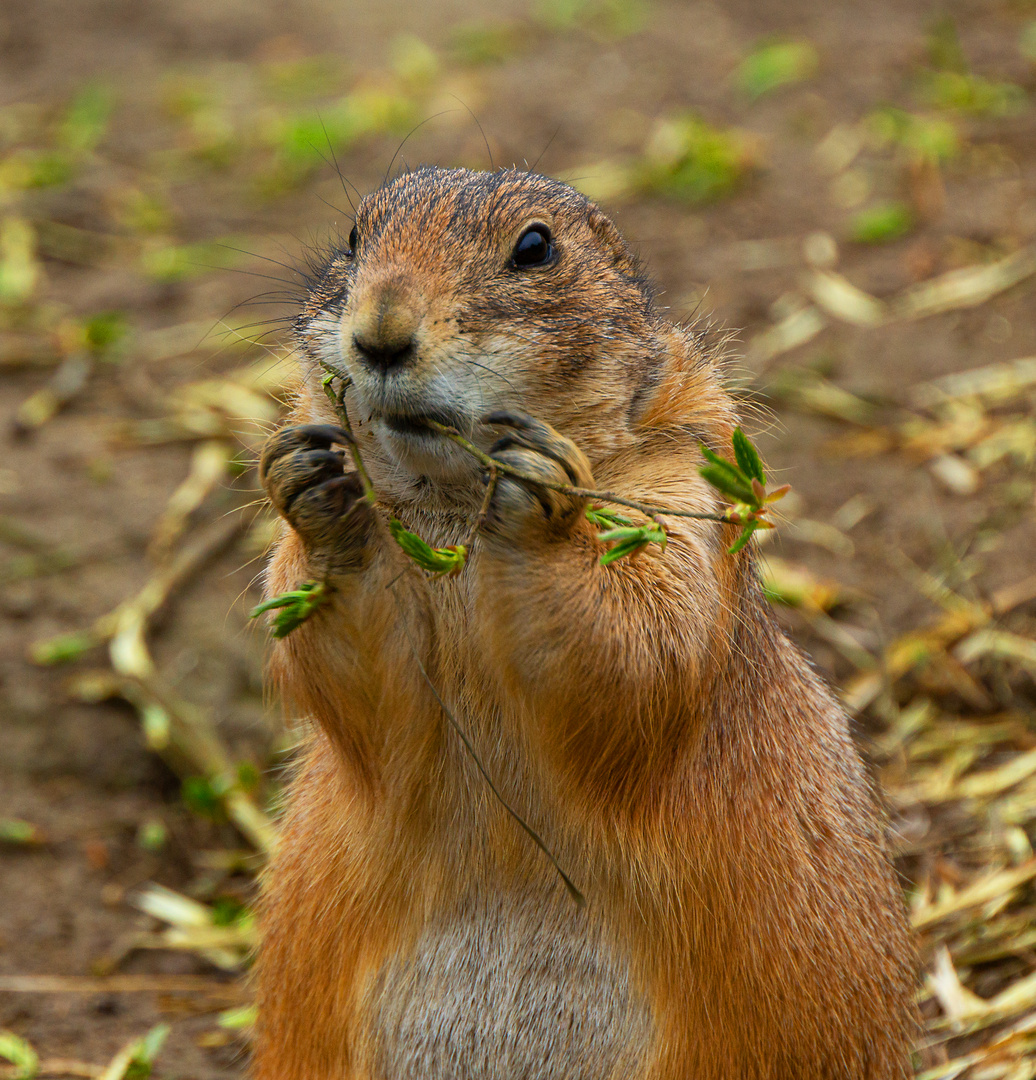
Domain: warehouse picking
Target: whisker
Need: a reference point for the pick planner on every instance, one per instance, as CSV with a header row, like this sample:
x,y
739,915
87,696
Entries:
x,y
481,130
341,176
255,273
532,167
265,258
413,131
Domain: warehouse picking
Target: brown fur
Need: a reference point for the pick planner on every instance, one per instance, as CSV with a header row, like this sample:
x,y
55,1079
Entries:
x,y
650,721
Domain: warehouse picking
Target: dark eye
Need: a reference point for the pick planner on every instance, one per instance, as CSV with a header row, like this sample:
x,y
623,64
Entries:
x,y
533,248
354,239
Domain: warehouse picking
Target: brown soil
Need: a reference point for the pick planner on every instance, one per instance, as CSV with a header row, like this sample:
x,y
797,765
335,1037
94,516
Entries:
x,y
81,772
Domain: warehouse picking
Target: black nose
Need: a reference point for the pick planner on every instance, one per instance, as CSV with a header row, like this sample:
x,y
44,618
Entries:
x,y
385,354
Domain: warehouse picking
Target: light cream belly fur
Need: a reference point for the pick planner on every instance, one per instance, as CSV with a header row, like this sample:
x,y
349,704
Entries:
x,y
514,991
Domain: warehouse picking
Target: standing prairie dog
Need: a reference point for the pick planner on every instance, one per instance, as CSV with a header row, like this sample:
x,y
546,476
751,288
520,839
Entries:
x,y
648,719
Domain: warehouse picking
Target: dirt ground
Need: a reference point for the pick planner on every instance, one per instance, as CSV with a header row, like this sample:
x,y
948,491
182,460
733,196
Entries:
x,y
891,523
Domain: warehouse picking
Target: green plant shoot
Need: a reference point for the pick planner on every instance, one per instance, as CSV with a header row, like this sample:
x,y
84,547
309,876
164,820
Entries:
x,y
775,64
606,519
293,608
334,398
144,1053
236,1019
20,833
447,560
624,536
62,649
882,223
629,539
20,1054
743,483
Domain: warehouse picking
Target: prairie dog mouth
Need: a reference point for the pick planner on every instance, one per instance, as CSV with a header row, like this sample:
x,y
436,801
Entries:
x,y
410,425
407,425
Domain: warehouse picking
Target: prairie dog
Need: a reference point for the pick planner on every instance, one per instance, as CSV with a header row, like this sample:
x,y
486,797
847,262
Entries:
x,y
648,719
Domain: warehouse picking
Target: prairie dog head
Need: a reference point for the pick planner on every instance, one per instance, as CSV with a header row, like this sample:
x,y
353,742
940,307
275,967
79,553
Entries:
x,y
462,292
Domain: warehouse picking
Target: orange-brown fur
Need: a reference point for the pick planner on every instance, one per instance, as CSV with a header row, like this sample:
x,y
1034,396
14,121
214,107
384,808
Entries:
x,y
680,758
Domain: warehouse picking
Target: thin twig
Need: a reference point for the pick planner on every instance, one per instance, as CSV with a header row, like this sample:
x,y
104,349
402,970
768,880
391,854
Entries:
x,y
67,383
189,742
53,1067
119,984
338,400
483,510
495,467
576,895
567,489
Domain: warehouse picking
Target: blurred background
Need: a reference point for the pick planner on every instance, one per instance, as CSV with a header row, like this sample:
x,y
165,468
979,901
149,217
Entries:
x,y
848,187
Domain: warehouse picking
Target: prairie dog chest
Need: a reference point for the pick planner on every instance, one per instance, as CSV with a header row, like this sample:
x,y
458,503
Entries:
x,y
508,991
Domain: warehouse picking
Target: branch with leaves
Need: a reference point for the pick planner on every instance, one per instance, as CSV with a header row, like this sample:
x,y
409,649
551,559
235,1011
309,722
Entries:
x,y
743,481
293,608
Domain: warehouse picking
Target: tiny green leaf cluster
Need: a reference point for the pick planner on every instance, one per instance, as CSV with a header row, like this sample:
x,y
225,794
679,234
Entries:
x,y
882,223
332,395
20,1054
447,560
20,833
293,608
145,1051
606,519
745,484
624,536
774,64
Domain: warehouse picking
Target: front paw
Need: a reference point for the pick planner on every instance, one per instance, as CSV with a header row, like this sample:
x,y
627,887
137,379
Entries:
x,y
305,480
522,509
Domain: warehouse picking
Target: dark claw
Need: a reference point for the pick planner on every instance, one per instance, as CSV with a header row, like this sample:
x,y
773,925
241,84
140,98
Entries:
x,y
334,520
504,418
311,467
326,433
547,445
306,482
504,443
332,498
332,459
536,449
292,439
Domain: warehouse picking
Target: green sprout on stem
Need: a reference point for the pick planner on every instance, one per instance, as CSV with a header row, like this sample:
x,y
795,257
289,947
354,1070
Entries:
x,y
625,536
293,608
20,1054
447,560
143,1054
745,483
